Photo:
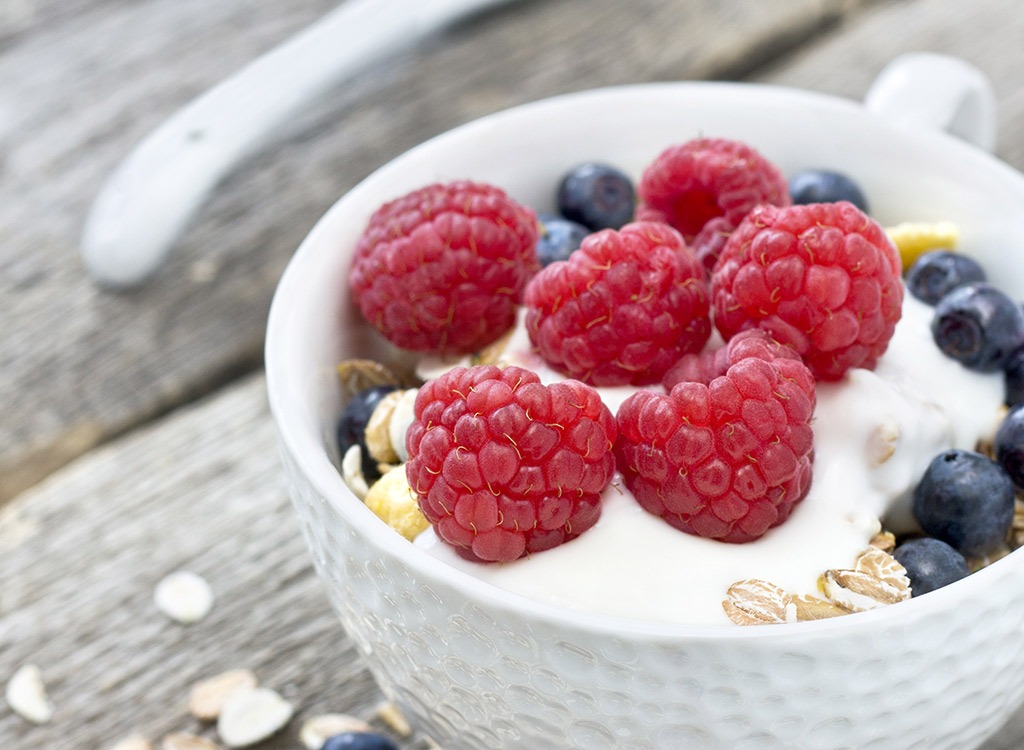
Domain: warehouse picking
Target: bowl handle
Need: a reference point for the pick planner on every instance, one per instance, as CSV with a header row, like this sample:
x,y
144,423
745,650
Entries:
x,y
936,92
152,195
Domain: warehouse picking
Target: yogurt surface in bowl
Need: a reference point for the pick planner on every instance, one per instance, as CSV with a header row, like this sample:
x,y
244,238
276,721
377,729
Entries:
x,y
874,433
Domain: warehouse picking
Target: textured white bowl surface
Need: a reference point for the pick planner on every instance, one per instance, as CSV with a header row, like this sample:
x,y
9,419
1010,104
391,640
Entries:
x,y
476,667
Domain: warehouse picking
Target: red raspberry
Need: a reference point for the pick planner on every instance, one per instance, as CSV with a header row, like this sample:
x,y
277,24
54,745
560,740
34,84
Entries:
x,y
622,309
691,183
710,241
821,278
727,460
705,366
443,268
504,465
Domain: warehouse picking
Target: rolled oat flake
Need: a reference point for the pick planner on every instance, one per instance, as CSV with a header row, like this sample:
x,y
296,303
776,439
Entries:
x,y
26,695
184,597
249,716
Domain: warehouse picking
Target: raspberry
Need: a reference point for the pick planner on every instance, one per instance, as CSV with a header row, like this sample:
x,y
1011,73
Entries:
x,y
443,268
622,309
821,278
705,366
710,241
691,183
504,465
727,460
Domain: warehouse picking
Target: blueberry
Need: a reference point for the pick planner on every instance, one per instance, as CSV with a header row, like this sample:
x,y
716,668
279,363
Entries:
x,y
1013,378
966,500
597,196
352,425
558,238
931,564
938,272
979,326
358,741
1009,444
825,186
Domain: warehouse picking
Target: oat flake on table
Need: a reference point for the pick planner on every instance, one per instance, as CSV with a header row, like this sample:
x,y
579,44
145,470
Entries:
x,y
26,695
249,716
134,742
185,741
184,597
207,698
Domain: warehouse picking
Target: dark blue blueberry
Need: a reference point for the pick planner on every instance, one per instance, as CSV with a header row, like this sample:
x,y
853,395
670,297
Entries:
x,y
1013,373
979,326
931,564
352,425
939,272
359,741
966,500
1009,444
597,196
825,186
558,238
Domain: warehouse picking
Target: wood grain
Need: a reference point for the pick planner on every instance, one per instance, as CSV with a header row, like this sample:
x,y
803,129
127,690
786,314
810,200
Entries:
x,y
83,551
846,59
79,365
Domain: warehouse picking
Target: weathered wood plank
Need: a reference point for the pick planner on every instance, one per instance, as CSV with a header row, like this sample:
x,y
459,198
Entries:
x,y
78,365
987,34
83,551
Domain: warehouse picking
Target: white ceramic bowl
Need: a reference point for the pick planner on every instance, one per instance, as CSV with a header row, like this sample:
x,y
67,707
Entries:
x,y
477,668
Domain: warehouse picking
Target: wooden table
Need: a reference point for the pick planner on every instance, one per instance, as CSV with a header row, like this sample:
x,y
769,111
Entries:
x,y
135,439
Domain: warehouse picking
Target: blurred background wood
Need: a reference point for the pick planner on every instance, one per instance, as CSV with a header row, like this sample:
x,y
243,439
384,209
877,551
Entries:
x,y
135,440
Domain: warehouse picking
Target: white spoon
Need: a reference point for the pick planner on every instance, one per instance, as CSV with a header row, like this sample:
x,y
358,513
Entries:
x,y
148,201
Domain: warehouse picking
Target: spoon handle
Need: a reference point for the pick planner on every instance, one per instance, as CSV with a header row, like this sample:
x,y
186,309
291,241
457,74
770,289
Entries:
x,y
148,201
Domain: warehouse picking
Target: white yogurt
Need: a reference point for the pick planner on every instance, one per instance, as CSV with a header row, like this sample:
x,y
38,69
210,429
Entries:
x,y
914,405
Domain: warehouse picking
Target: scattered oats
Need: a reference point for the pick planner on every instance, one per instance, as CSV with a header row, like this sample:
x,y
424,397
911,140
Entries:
x,y
913,238
401,419
317,729
208,696
26,695
184,741
754,602
184,596
814,608
134,742
378,438
352,471
356,375
882,442
392,716
974,564
391,499
986,444
885,541
249,716
493,354
1016,535
434,366
876,580
879,563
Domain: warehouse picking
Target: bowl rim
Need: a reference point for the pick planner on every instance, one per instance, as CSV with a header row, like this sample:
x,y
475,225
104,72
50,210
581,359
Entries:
x,y
306,450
